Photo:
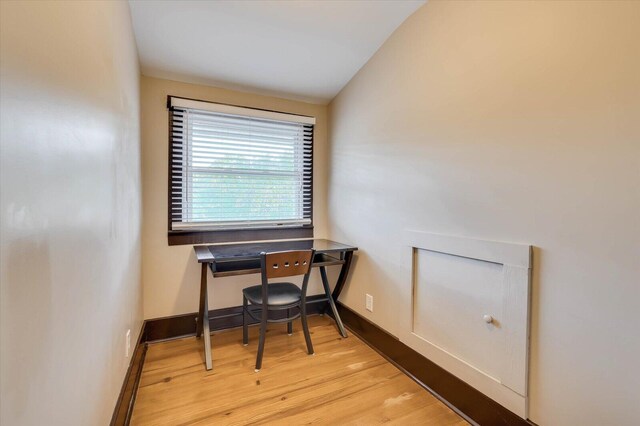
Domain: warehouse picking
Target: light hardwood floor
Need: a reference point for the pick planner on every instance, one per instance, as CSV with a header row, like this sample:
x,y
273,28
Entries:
x,y
345,382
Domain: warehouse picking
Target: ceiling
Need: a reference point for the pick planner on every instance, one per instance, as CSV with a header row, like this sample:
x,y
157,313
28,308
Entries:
x,y
303,50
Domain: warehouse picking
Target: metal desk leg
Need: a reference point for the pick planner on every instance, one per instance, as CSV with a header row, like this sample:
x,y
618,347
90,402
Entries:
x,y
203,318
342,278
327,291
203,297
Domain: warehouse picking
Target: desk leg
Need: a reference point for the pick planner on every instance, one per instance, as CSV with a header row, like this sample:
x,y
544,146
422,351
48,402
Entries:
x,y
342,278
203,297
327,291
203,317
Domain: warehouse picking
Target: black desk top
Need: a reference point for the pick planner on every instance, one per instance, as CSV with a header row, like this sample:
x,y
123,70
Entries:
x,y
243,251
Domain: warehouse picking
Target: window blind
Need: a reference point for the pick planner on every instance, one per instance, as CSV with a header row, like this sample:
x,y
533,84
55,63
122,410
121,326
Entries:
x,y
237,168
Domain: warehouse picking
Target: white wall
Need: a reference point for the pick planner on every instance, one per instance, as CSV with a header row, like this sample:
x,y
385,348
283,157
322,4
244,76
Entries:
x,y
70,206
171,274
518,122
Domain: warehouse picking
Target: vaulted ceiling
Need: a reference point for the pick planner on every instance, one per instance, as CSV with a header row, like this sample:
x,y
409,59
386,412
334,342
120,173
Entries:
x,y
304,50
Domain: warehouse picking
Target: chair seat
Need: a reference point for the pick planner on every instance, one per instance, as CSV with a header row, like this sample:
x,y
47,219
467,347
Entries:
x,y
280,294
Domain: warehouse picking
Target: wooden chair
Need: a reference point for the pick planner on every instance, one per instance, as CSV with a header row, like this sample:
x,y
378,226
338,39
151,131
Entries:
x,y
278,296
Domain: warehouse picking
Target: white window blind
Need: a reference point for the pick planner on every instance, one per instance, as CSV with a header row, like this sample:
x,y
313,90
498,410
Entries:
x,y
236,168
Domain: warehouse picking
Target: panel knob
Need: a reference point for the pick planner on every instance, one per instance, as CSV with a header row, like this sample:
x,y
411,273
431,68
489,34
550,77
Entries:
x,y
487,318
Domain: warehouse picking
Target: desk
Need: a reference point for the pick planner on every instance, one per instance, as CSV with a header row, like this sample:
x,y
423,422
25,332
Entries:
x,y
238,259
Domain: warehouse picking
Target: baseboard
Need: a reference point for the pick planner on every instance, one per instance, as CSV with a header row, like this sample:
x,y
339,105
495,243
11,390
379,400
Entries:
x,y
219,319
124,406
473,405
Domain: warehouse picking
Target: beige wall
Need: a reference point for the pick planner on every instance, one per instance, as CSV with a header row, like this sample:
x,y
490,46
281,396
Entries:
x,y
171,274
70,206
508,121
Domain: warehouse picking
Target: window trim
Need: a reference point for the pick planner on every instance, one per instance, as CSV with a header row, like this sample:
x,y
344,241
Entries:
x,y
187,236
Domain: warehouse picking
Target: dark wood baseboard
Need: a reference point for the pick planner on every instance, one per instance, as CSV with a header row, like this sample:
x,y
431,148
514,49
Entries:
x,y
219,319
124,406
458,395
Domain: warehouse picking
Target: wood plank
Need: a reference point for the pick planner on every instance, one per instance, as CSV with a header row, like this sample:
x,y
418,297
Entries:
x,y
345,382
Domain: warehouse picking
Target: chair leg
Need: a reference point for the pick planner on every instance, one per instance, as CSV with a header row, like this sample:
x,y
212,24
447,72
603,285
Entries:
x,y
263,333
245,319
290,323
305,327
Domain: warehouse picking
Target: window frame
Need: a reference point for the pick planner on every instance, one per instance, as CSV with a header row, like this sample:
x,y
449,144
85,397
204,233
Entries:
x,y
181,237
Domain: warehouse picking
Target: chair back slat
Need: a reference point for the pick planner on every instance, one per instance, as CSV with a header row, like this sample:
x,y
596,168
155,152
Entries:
x,y
287,263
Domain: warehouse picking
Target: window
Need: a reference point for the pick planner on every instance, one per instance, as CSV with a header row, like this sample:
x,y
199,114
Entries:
x,y
235,169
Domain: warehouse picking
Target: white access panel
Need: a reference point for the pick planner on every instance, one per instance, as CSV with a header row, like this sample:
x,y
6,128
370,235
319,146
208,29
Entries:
x,y
469,311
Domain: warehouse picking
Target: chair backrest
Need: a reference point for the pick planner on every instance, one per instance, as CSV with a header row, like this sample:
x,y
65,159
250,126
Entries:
x,y
286,263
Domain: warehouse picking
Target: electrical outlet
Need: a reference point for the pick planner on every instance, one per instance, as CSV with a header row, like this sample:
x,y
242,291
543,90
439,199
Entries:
x,y
128,344
369,302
